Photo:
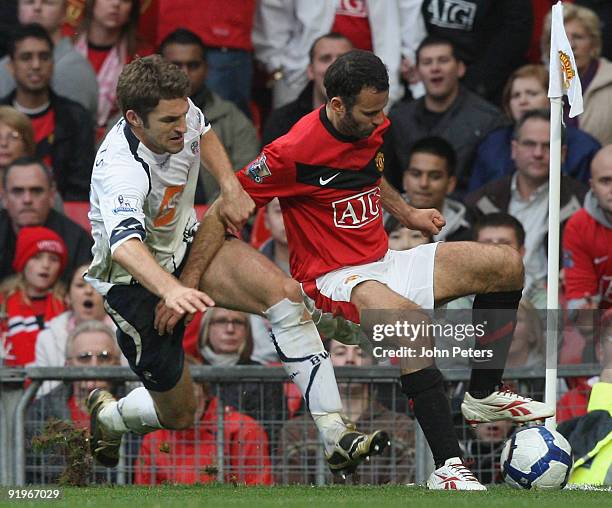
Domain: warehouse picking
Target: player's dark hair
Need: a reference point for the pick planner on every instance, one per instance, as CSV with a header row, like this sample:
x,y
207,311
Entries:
x,y
352,72
331,35
500,220
184,37
434,40
145,81
21,32
435,145
536,114
28,161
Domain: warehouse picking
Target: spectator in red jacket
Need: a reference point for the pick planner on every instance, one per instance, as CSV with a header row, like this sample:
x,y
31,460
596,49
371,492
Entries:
x,y
30,299
587,241
190,456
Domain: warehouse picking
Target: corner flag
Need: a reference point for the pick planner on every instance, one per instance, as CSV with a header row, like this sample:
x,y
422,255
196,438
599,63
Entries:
x,y
564,78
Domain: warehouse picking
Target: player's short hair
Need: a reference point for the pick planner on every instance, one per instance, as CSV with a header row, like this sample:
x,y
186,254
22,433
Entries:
x,y
22,32
29,161
145,81
434,40
331,35
435,145
184,37
500,220
352,72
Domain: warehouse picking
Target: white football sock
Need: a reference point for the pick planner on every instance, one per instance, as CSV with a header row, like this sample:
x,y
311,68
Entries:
x,y
308,365
135,412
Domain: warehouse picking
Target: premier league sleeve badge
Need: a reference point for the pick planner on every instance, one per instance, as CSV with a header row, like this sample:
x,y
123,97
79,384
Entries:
x,y
258,169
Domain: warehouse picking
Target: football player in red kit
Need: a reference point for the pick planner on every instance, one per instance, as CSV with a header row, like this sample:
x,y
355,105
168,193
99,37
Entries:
x,y
328,175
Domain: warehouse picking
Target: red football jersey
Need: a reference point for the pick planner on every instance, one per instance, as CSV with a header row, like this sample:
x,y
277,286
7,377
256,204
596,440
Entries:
x,y
587,259
327,184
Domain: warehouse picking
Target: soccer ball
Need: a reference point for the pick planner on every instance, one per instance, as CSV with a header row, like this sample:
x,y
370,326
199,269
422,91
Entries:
x,y
536,457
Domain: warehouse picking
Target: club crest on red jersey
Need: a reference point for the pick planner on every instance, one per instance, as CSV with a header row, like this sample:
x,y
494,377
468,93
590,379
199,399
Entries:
x,y
258,169
380,161
358,210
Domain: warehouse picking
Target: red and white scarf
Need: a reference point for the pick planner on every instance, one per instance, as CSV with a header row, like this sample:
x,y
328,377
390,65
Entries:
x,y
107,77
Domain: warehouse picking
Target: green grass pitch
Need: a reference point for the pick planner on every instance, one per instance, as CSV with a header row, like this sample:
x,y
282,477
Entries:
x,y
210,496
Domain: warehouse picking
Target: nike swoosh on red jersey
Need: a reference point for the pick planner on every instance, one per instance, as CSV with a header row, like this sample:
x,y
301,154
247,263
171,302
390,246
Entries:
x,y
327,180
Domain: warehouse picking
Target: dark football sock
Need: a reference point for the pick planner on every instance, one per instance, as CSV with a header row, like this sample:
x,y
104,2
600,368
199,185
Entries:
x,y
432,410
497,313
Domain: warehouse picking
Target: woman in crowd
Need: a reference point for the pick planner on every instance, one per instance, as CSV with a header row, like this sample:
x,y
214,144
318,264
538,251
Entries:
x,y
108,39
16,138
84,304
526,90
583,29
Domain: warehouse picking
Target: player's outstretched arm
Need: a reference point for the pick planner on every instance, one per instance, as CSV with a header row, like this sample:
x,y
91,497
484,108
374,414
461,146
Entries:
x,y
207,242
427,220
236,205
136,259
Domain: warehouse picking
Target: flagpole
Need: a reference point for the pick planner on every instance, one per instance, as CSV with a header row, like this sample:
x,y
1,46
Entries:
x,y
552,295
564,80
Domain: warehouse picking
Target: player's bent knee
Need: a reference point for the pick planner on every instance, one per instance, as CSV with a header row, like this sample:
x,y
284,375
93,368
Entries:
x,y
291,290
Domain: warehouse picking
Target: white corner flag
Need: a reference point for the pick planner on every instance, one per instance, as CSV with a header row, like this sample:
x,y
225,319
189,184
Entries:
x,y
564,78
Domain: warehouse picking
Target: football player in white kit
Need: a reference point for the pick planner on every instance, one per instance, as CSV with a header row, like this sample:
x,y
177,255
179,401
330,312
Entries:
x,y
150,272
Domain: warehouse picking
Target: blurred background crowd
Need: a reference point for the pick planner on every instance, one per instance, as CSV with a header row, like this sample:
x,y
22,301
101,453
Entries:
x,y
469,136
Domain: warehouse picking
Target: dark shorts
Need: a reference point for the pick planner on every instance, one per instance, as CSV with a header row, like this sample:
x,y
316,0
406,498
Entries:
x,y
157,360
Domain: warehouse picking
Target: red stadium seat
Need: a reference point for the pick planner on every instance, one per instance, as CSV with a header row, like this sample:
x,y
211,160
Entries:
x,y
260,233
77,211
200,211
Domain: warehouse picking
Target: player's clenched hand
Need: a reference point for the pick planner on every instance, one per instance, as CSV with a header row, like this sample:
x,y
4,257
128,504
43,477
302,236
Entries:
x,y
166,319
176,303
428,221
235,207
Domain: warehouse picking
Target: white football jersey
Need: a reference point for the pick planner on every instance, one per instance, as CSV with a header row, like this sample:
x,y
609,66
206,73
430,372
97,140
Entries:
x,y
136,193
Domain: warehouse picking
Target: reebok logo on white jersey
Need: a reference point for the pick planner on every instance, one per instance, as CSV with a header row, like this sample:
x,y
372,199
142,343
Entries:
x,y
325,181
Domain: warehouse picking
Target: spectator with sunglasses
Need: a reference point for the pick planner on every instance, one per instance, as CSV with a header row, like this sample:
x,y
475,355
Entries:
x,y
90,344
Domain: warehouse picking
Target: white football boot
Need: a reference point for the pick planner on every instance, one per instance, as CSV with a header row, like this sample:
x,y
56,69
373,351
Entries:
x,y
504,405
453,475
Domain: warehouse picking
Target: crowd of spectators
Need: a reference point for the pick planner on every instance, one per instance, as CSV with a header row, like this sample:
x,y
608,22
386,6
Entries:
x,y
469,136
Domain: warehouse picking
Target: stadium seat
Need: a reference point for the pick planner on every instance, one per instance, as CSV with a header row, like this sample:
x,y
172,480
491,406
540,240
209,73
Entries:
x,y
77,211
260,233
200,211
